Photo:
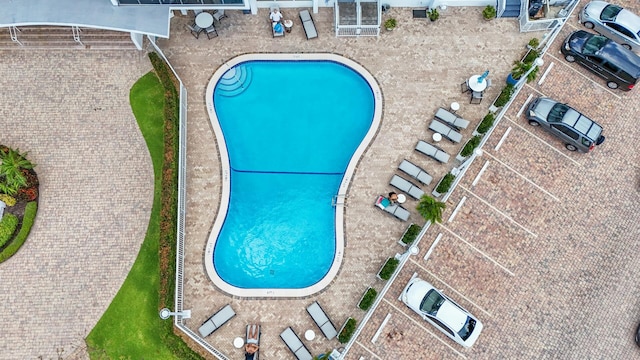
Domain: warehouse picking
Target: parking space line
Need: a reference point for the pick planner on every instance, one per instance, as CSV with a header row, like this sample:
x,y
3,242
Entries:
x,y
424,328
584,76
455,211
478,250
546,72
502,139
367,350
523,177
384,323
573,26
498,211
452,289
482,170
526,102
541,140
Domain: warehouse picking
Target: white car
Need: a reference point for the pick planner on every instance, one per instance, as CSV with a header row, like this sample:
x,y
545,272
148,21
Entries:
x,y
612,21
442,312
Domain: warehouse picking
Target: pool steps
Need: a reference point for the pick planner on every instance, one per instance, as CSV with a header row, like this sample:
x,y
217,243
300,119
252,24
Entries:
x,y
234,81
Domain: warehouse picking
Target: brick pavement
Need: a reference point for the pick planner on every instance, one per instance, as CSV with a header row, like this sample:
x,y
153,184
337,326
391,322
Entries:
x,y
70,110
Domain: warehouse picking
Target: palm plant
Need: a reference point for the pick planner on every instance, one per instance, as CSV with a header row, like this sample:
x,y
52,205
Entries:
x,y
11,176
431,209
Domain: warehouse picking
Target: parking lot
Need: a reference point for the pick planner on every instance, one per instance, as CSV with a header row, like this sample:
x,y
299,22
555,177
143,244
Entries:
x,y
543,245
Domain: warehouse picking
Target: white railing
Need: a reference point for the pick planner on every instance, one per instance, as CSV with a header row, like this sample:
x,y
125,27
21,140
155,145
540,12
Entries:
x,y
182,192
527,25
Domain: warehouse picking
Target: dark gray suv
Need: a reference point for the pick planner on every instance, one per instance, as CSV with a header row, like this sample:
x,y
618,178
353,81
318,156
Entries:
x,y
576,130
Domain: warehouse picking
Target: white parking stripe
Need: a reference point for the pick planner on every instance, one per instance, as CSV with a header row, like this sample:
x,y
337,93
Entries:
x,y
524,106
498,211
546,72
544,142
584,76
455,211
384,323
478,250
452,289
484,168
425,329
524,178
369,351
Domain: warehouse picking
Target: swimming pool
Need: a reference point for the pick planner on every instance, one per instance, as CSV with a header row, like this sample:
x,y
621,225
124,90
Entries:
x,y
290,130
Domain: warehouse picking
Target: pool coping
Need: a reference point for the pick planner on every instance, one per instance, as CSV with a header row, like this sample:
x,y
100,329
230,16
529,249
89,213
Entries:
x,y
342,190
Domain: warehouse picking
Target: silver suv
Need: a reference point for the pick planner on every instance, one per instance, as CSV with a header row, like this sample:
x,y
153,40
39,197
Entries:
x,y
576,130
612,21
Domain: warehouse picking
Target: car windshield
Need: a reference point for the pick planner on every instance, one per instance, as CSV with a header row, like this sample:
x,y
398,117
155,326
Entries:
x,y
610,12
431,302
557,112
467,329
594,44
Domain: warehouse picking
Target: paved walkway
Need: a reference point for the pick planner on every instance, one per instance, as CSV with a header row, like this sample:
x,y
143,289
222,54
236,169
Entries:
x,y
70,110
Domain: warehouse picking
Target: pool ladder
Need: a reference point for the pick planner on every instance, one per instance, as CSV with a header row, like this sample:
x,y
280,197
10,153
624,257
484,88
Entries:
x,y
339,199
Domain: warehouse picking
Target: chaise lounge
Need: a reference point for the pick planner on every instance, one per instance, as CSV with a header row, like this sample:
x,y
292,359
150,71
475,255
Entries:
x,y
405,185
216,321
322,320
308,24
393,209
415,172
445,130
451,119
432,151
295,344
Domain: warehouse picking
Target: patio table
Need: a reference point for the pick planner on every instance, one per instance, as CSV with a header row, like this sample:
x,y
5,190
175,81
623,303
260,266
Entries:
x,y
204,20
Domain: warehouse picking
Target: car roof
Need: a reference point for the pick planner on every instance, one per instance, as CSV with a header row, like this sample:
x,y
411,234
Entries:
x,y
583,124
629,20
452,315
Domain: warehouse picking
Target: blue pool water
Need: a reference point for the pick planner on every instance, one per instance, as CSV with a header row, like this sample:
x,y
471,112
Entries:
x,y
290,129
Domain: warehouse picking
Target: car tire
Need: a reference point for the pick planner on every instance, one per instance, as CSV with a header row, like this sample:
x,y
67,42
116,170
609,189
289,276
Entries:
x,y
534,123
637,338
588,25
612,85
626,46
570,58
570,147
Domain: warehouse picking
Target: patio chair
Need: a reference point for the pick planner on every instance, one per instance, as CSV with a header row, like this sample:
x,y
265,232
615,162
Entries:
x,y
464,87
432,151
197,11
211,32
219,15
294,344
452,119
216,321
476,97
405,185
277,28
394,209
308,24
252,338
195,29
415,172
322,320
445,130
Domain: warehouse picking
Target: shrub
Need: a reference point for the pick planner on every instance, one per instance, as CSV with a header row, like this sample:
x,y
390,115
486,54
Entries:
x,y
505,95
486,123
391,23
7,199
430,208
489,12
367,299
389,268
8,225
27,222
11,166
534,43
434,14
347,331
531,56
411,234
445,184
471,145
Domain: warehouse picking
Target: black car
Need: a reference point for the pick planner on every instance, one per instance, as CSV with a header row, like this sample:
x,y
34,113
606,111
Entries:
x,y
604,57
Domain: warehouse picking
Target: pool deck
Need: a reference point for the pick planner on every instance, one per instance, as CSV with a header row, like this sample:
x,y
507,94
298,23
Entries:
x,y
419,67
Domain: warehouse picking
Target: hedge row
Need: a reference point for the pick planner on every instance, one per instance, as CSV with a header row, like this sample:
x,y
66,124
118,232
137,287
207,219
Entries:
x,y
27,222
169,205
8,225
347,331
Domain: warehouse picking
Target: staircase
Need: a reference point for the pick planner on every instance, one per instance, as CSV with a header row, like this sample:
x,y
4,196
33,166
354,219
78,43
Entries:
x,y
234,81
60,37
512,9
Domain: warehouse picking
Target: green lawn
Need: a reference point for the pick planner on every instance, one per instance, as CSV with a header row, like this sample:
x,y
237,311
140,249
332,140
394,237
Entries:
x,y
131,327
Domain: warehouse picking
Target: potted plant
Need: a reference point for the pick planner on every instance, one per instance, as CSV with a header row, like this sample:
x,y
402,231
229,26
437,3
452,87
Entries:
x,y
345,334
433,14
367,299
388,268
533,44
410,234
431,209
486,123
444,185
505,95
520,68
471,145
489,12
390,24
